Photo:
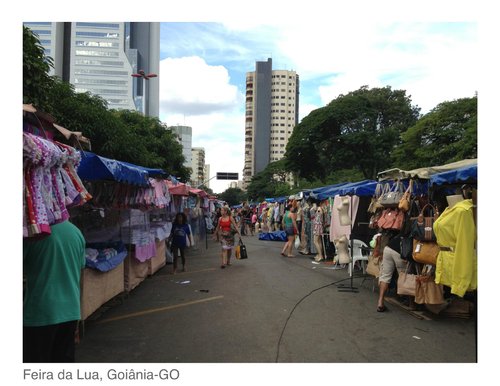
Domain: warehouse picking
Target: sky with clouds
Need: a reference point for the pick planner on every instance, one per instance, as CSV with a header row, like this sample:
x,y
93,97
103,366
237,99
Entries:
x,y
203,68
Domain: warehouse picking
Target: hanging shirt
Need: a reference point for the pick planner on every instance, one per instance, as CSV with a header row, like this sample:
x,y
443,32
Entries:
x,y
455,229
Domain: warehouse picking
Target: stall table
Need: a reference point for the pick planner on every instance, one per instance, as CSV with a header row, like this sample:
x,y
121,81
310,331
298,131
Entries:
x,y
159,261
99,287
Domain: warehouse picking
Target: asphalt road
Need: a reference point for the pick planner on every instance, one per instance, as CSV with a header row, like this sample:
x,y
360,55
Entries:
x,y
243,314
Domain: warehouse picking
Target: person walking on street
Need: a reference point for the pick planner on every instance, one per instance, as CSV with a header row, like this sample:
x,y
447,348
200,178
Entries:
x,y
52,269
264,215
254,221
227,227
248,220
391,261
215,220
242,215
290,226
178,237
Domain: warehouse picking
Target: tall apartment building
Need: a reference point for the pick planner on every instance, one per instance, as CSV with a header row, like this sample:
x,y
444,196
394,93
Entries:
x,y
271,113
101,58
207,175
185,138
236,184
198,176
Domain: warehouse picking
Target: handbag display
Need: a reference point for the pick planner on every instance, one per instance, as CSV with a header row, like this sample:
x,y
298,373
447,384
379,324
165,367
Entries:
x,y
407,248
373,224
422,225
374,203
375,258
373,266
391,196
425,252
391,218
405,202
406,282
426,289
243,250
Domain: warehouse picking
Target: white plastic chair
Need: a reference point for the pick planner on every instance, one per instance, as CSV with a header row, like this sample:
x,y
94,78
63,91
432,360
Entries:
x,y
358,254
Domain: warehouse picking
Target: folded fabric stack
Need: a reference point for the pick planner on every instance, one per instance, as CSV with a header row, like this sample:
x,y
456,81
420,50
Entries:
x,y
108,253
91,254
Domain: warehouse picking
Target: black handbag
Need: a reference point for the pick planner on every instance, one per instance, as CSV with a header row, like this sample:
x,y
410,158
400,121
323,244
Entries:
x,y
407,248
422,227
243,251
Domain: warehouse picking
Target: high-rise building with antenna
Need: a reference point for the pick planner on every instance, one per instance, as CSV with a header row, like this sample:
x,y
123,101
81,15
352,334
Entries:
x,y
271,113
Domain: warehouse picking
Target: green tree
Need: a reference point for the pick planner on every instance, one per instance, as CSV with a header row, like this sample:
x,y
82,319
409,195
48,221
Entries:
x,y
354,131
271,182
154,144
446,134
36,67
233,196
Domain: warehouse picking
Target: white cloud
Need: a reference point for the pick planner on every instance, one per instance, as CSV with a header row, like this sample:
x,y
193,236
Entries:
x,y
305,109
432,62
190,86
198,95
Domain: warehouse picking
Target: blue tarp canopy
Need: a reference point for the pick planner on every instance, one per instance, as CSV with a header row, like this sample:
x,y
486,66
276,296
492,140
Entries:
x,y
273,236
324,192
362,188
94,167
151,172
277,199
457,176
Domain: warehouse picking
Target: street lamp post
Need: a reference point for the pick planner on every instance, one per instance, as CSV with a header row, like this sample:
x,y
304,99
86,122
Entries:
x,y
144,76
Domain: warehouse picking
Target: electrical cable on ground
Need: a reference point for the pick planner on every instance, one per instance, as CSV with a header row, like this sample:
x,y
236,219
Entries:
x,y
296,305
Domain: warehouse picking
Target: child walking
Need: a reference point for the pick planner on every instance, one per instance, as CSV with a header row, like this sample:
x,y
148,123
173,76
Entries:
x,y
180,231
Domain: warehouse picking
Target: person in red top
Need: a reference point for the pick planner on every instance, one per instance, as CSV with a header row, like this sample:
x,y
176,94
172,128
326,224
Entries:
x,y
227,228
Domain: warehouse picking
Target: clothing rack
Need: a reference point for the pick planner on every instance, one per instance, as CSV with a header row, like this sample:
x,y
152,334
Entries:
x,y
350,287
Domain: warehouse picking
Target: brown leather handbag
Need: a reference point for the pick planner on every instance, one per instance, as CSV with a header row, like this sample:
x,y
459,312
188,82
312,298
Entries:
x,y
391,218
422,228
427,291
425,252
405,203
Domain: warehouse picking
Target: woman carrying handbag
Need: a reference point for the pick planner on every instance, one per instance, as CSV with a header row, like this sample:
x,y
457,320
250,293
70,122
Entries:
x,y
227,228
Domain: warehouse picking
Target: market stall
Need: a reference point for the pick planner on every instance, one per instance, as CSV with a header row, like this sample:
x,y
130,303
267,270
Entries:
x,y
143,206
432,212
